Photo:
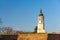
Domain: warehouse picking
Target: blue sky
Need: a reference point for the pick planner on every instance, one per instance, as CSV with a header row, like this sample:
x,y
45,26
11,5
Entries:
x,y
23,14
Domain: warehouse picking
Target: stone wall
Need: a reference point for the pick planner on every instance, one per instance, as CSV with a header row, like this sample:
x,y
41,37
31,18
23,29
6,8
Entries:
x,y
8,37
32,37
53,37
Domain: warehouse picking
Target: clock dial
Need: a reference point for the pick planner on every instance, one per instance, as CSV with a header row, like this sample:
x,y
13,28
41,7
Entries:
x,y
39,21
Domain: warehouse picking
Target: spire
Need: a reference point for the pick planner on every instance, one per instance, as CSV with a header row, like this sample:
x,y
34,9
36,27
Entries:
x,y
41,13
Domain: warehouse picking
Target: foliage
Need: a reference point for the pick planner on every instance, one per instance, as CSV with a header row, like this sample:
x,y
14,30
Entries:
x,y
35,30
6,30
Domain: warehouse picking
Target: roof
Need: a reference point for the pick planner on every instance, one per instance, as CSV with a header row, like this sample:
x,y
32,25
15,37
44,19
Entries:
x,y
40,13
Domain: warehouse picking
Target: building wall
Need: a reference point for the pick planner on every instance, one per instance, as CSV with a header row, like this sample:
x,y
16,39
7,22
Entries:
x,y
53,37
32,37
8,37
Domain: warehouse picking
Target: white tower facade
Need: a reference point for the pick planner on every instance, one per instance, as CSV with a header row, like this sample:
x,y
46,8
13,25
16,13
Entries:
x,y
40,27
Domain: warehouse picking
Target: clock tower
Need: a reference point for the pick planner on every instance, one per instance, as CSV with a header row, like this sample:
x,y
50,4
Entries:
x,y
40,27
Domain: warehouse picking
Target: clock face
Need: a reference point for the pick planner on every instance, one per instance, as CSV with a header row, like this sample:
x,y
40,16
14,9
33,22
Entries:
x,y
39,21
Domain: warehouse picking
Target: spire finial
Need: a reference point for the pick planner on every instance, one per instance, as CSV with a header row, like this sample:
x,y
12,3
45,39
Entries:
x,y
41,11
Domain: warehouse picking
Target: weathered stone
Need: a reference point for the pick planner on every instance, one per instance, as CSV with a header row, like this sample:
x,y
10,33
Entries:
x,y
32,36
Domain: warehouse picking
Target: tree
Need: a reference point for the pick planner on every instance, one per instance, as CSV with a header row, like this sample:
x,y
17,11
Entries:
x,y
6,30
35,30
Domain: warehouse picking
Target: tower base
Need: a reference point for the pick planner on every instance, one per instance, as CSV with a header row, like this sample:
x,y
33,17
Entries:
x,y
41,31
